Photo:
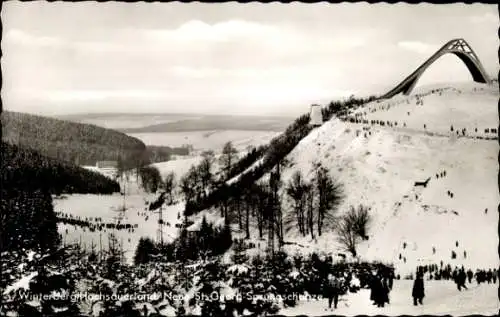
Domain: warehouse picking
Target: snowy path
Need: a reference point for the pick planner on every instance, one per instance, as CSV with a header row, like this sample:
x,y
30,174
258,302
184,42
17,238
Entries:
x,y
442,297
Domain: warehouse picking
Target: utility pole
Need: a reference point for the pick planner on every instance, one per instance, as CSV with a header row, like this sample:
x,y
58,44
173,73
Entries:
x,y
160,225
100,246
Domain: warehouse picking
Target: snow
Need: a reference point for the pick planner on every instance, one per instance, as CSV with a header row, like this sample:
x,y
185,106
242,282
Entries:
x,y
379,171
180,166
441,298
31,255
238,269
22,283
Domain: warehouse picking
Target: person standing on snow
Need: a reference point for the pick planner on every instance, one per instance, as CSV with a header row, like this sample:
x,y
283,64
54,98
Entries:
x,y
418,292
333,288
385,292
460,280
374,287
379,294
470,275
489,276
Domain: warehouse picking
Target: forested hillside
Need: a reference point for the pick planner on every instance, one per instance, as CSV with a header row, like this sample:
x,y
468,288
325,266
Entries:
x,y
24,169
82,144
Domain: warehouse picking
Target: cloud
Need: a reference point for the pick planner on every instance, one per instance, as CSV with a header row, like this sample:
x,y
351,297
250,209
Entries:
x,y
485,18
20,37
418,47
233,62
196,30
95,95
283,73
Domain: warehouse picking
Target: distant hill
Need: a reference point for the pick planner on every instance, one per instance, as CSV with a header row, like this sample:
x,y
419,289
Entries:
x,y
175,122
248,123
82,144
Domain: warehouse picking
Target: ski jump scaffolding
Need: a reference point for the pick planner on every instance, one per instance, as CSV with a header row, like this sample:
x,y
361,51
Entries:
x,y
458,47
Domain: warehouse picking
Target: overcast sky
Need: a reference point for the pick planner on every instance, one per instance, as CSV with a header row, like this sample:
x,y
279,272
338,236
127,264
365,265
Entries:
x,y
226,58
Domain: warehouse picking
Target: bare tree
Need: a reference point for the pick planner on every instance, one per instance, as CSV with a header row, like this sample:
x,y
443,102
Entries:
x,y
309,197
168,186
275,205
228,157
359,219
263,195
205,171
330,195
296,191
188,186
347,237
353,227
150,178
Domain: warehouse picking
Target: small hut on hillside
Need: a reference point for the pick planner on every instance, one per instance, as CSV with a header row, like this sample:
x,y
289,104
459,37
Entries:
x,y
316,116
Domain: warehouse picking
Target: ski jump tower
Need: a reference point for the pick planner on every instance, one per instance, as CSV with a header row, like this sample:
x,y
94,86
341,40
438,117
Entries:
x,y
458,47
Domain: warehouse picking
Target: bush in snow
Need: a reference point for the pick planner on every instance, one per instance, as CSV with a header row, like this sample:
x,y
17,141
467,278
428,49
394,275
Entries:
x,y
359,219
352,227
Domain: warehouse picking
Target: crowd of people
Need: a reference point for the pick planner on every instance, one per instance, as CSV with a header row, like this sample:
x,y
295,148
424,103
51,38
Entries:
x,y
380,282
93,223
459,276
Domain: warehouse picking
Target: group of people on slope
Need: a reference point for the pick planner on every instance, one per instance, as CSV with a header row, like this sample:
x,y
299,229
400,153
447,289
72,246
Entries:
x,y
483,276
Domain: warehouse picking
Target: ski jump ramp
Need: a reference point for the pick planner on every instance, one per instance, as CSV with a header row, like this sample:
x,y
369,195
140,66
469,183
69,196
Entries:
x,y
458,47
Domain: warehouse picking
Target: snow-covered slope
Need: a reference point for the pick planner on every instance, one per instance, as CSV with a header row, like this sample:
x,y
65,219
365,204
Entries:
x,y
379,165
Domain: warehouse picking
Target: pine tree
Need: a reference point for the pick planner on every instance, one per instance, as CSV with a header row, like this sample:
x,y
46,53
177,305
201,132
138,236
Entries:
x,y
239,253
145,248
206,237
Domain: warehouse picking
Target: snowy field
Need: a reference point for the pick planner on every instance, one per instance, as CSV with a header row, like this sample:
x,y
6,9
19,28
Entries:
x,y
207,140
106,207
179,166
110,209
442,298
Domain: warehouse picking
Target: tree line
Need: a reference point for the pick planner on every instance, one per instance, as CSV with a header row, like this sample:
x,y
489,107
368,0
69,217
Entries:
x,y
208,241
25,169
314,203
164,153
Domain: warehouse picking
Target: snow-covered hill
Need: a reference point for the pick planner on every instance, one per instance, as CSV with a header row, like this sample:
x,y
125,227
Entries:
x,y
378,166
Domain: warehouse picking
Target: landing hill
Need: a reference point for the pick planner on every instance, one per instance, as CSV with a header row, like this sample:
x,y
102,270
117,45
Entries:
x,y
444,133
